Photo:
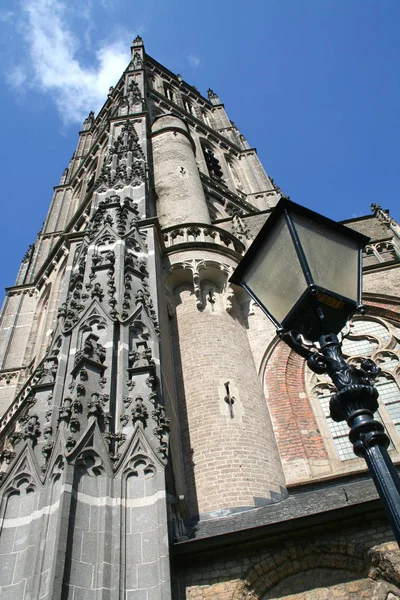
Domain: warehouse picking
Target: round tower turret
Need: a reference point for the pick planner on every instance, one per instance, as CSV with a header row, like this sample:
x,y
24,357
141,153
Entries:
x,y
177,181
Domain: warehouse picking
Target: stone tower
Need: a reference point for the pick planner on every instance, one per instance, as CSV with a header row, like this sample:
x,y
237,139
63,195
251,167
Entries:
x,y
157,441
117,428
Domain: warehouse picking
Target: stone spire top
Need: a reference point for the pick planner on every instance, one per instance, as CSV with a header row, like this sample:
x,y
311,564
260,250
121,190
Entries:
x,y
137,52
138,41
213,98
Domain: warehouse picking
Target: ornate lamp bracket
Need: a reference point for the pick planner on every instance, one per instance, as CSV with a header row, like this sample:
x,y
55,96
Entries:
x,y
355,401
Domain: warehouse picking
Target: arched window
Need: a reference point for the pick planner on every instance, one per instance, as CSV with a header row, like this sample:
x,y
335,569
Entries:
x,y
212,162
187,105
168,92
206,118
234,172
375,338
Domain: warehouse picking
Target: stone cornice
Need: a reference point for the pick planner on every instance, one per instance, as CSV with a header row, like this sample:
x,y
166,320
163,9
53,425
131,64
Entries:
x,y
297,513
198,235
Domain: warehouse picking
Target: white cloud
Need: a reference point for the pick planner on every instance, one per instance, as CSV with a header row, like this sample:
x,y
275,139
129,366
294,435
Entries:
x,y
16,77
53,53
194,60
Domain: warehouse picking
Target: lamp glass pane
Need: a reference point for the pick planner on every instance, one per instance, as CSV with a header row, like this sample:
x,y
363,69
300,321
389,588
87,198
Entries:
x,y
275,276
333,259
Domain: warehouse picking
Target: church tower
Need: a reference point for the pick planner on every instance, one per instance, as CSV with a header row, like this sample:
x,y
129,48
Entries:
x,y
157,440
131,403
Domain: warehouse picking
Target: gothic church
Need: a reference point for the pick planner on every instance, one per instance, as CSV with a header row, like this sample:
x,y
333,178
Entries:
x,y
157,441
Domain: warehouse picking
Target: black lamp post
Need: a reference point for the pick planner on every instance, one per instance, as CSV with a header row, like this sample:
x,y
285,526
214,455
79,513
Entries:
x,y
305,272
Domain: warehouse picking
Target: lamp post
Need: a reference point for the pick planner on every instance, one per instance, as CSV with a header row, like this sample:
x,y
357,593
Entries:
x,y
305,273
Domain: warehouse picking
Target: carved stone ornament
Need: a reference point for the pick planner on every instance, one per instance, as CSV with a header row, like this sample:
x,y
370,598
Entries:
x,y
162,429
117,171
139,411
30,427
92,350
133,95
136,62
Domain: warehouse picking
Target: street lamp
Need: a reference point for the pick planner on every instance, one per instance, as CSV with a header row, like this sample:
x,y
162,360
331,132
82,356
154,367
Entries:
x,y
305,273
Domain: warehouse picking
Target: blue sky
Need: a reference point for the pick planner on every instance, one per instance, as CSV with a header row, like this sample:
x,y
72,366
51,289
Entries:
x,y
313,84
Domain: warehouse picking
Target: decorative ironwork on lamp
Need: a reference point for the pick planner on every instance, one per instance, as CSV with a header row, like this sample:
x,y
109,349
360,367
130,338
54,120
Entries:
x,y
305,273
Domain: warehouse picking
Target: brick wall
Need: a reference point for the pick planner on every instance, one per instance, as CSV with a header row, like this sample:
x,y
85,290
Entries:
x,y
299,440
229,462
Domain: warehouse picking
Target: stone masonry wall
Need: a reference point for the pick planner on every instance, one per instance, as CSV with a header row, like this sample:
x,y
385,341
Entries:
x,y
363,563
386,281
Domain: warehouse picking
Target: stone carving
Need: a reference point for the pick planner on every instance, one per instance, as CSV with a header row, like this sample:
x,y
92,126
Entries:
x,y
97,220
110,257
127,400
96,404
77,406
30,427
112,302
139,411
151,381
70,309
140,297
49,444
114,441
131,384
122,217
8,376
197,290
136,62
204,270
93,350
7,456
97,259
70,443
80,390
15,438
117,170
97,292
133,359
162,429
124,419
276,187
138,359
45,373
65,410
134,97
102,382
74,425
29,253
